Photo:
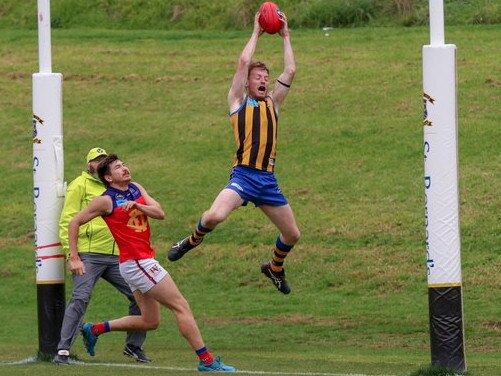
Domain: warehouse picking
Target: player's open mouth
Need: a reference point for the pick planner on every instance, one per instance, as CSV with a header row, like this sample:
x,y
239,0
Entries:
x,y
261,88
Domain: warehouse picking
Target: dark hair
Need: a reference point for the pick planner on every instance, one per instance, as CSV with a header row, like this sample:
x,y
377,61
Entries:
x,y
257,65
104,167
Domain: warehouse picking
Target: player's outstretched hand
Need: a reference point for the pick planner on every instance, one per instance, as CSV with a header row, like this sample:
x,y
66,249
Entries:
x,y
257,27
284,31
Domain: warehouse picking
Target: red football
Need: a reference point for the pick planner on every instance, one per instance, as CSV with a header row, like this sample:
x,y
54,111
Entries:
x,y
268,17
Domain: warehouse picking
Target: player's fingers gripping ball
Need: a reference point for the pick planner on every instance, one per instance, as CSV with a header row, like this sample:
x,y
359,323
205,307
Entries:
x,y
270,17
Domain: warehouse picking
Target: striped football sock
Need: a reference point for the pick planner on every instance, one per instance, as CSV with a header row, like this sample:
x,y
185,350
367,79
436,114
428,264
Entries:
x,y
205,356
280,252
198,235
100,328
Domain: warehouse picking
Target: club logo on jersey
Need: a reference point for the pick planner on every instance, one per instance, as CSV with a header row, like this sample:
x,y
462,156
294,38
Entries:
x,y
137,221
155,269
120,200
253,102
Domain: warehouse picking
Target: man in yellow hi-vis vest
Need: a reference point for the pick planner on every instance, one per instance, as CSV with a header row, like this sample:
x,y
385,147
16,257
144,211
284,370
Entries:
x,y
99,253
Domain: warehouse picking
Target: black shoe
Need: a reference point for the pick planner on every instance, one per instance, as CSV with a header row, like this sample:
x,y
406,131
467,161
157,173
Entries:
x,y
278,279
62,358
136,353
179,249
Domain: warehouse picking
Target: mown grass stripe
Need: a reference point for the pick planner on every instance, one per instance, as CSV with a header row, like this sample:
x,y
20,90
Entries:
x,y
181,369
238,371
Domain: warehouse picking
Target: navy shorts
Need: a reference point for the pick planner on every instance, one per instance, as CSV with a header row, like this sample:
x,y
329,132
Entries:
x,y
258,187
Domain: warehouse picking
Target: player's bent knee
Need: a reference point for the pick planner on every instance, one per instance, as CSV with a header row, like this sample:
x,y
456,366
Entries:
x,y
151,325
211,221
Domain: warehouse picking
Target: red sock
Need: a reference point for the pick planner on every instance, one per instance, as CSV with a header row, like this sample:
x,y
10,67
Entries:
x,y
205,356
100,328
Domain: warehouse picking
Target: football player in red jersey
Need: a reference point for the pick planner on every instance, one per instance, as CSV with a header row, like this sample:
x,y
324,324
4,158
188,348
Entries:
x,y
125,207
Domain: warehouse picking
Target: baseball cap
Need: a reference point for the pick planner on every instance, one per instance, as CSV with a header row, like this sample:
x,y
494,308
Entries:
x,y
94,153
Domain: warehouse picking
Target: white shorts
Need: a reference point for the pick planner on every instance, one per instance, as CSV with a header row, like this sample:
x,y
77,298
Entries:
x,y
142,275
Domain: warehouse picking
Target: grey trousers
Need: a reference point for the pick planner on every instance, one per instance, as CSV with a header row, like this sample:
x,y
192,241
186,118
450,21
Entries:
x,y
96,266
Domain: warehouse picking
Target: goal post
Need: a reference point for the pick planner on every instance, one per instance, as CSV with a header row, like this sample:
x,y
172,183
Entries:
x,y
48,190
442,235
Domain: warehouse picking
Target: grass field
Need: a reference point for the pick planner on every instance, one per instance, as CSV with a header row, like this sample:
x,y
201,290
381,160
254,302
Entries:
x,y
232,15
350,161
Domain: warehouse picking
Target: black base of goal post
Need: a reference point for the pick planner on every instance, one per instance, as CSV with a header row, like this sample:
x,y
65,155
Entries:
x,y
51,305
446,328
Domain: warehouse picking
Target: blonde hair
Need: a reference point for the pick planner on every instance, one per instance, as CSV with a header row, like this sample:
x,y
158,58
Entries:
x,y
257,65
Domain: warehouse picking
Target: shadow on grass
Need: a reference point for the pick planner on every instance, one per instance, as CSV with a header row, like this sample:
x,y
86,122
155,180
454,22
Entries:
x,y
439,371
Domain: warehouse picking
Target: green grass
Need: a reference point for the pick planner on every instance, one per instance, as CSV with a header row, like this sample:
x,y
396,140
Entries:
x,y
239,14
350,162
435,371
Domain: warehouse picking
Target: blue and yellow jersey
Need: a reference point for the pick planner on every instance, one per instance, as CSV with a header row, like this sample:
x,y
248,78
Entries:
x,y
255,128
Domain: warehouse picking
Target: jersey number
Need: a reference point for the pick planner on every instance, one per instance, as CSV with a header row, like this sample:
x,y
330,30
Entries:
x,y
137,221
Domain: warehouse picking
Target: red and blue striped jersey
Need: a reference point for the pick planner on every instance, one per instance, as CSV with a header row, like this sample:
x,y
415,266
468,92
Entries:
x,y
130,229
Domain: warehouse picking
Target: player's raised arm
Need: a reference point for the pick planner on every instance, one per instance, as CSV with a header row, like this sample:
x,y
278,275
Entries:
x,y
237,89
152,208
99,206
284,81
